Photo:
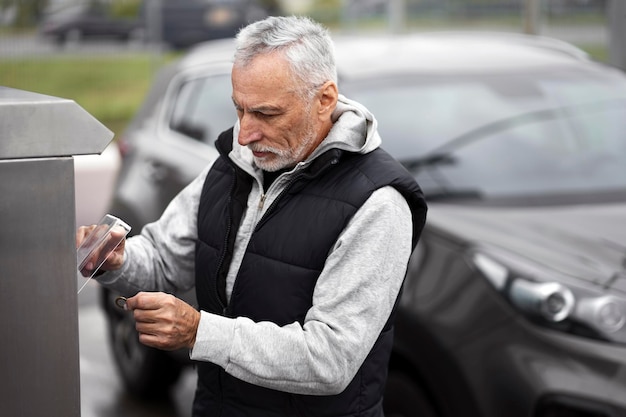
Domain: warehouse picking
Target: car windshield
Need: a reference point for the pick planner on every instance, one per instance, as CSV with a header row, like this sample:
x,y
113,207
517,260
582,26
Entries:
x,y
554,132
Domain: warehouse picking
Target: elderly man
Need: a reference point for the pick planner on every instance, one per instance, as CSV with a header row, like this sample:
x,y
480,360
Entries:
x,y
296,238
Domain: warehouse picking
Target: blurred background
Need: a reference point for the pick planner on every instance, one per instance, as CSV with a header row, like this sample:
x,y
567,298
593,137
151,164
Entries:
x,y
104,54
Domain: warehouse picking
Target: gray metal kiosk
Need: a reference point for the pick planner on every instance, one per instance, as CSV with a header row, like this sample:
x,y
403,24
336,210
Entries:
x,y
39,352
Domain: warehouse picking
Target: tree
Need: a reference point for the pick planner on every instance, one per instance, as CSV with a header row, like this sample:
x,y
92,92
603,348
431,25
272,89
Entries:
x,y
28,11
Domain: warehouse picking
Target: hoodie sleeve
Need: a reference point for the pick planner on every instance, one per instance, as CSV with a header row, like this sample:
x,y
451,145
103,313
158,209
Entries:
x,y
353,299
162,257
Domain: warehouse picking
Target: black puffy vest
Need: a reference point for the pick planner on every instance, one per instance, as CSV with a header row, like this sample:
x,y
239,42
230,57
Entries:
x,y
284,258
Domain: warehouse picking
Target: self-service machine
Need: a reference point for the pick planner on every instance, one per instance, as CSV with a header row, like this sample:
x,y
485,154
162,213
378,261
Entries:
x,y
39,345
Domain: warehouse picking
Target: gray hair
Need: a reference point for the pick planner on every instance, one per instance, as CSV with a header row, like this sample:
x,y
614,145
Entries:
x,y
306,45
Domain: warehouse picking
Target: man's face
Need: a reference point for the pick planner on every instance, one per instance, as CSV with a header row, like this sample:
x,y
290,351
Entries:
x,y
276,124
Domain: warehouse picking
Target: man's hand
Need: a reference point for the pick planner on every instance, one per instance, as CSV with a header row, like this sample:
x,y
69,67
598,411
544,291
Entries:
x,y
164,321
114,261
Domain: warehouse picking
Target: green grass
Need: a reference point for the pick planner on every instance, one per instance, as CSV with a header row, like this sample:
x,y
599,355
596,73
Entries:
x,y
110,88
598,53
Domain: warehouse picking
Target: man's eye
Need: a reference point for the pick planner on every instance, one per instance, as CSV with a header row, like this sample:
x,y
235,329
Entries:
x,y
265,116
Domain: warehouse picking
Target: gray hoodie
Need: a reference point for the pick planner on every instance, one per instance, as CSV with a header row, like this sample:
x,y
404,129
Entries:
x,y
352,300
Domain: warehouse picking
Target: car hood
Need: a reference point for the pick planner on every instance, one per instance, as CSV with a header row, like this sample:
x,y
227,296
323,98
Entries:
x,y
585,242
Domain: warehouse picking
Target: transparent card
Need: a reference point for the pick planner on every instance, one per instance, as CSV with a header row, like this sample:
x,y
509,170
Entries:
x,y
98,246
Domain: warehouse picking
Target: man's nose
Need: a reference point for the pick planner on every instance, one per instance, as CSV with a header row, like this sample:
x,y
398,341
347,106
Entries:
x,y
248,131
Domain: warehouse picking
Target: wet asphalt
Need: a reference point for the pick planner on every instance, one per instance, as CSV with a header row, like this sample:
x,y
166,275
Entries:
x,y
102,392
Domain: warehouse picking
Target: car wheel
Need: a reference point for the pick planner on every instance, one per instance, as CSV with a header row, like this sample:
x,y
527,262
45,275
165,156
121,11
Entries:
x,y
146,372
405,398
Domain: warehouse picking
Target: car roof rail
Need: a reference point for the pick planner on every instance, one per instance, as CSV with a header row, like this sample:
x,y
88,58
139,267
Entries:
x,y
548,43
538,41
554,44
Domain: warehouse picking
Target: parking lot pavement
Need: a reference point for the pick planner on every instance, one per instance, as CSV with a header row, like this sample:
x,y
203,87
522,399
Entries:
x,y
30,45
102,394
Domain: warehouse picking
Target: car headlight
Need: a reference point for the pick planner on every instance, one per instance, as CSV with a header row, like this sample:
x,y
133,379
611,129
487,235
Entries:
x,y
606,313
553,302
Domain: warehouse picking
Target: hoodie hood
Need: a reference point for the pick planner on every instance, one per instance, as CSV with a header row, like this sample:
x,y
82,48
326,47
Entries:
x,y
354,129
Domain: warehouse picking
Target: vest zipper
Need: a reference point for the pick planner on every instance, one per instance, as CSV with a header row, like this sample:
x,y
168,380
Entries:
x,y
219,268
223,303
301,174
261,201
298,176
280,195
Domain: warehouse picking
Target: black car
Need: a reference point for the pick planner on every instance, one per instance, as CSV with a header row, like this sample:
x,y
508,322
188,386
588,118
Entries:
x,y
514,304
188,22
73,22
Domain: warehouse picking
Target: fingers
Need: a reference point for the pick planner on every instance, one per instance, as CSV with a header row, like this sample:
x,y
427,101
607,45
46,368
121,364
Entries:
x,y
82,233
164,321
88,264
149,301
105,249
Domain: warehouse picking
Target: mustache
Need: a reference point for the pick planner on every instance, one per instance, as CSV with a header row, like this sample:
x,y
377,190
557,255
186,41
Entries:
x,y
264,148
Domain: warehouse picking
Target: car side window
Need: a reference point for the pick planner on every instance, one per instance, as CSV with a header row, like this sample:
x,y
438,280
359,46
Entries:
x,y
203,108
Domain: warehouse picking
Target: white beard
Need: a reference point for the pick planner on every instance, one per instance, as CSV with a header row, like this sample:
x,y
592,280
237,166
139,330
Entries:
x,y
284,158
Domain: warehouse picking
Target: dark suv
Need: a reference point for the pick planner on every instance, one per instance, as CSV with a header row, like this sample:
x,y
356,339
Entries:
x,y
188,22
514,304
81,20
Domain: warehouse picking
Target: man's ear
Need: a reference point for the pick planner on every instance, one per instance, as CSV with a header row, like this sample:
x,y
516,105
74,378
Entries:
x,y
328,96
